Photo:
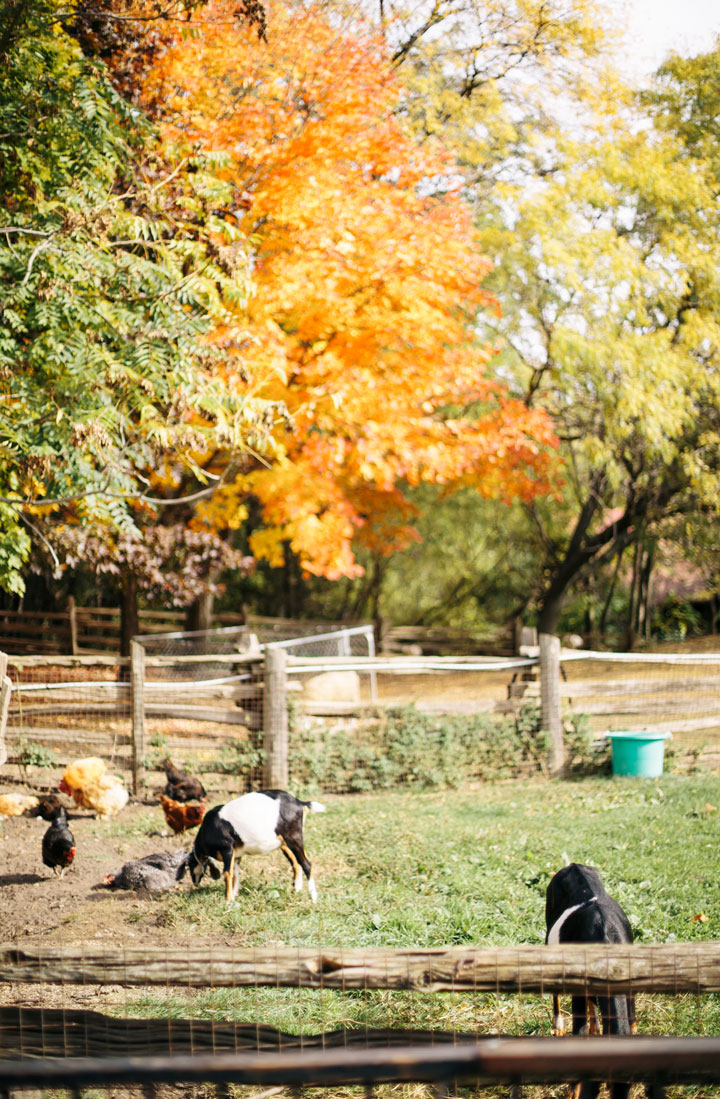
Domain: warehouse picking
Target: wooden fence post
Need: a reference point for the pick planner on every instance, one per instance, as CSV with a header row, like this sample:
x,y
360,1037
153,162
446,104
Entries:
x,y
137,697
72,616
275,719
5,693
551,709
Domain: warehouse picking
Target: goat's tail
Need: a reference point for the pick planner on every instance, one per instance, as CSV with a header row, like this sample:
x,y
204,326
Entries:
x,y
316,807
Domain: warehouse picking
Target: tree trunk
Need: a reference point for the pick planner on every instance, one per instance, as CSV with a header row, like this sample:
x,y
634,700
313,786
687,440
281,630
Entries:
x,y
199,614
645,615
631,619
602,625
552,605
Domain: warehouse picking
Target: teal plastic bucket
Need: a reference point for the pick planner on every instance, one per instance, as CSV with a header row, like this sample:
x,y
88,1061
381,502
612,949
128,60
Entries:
x,y
640,755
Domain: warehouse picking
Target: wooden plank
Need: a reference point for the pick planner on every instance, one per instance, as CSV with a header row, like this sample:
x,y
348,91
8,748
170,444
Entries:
x,y
137,685
487,1060
5,696
67,700
244,661
275,719
601,969
54,735
233,691
24,630
203,713
605,688
162,616
81,690
100,708
33,644
659,705
68,661
692,725
22,616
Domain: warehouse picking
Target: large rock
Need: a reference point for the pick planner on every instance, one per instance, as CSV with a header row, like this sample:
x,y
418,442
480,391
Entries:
x,y
333,687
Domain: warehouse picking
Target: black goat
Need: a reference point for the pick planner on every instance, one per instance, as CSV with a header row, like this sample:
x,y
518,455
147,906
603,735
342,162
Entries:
x,y
578,910
253,824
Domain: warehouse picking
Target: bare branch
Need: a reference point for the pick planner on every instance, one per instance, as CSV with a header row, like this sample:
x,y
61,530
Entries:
x,y
135,497
39,534
35,253
21,228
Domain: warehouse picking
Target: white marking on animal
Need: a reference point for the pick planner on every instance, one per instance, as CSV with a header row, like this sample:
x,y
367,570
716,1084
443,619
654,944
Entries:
x,y
254,817
553,936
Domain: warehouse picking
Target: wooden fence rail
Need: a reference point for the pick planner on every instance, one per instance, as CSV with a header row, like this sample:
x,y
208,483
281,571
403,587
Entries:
x,y
599,969
227,691
487,1060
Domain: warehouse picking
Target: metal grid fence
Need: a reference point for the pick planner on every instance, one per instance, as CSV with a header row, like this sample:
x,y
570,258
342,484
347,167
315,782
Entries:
x,y
166,1038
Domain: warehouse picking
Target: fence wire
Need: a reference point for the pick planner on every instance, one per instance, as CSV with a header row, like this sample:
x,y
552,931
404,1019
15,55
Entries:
x,y
356,723
440,1013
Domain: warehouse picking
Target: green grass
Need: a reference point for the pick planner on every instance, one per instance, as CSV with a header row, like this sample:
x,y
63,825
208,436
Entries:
x,y
466,867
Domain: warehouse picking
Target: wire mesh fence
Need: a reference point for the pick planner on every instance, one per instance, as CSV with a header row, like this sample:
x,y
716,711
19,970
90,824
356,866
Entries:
x,y
296,994
340,1016
355,722
62,707
668,692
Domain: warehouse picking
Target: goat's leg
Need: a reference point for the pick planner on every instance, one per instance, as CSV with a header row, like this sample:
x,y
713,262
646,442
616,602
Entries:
x,y
581,1007
558,1026
292,846
297,870
229,872
236,875
579,1014
615,1012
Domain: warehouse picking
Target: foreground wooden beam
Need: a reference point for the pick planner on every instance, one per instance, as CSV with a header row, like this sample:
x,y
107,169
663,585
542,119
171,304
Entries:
x,y
612,970
489,1060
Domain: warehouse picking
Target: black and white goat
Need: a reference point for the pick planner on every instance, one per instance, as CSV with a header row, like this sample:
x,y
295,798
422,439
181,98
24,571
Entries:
x,y
578,910
253,824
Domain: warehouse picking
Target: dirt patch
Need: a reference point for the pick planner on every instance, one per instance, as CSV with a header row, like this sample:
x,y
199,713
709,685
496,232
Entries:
x,y
37,908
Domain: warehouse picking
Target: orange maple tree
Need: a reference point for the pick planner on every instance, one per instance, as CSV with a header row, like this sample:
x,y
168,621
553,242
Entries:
x,y
367,280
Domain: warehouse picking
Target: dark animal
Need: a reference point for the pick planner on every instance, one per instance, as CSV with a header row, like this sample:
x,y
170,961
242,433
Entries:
x,y
180,785
578,910
47,807
253,824
151,873
58,845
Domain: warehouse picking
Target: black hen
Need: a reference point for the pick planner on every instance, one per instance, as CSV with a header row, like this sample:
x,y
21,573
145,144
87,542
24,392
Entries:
x,y
180,785
58,845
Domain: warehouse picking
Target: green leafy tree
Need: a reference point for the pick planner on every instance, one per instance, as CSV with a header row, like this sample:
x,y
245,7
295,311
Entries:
x,y
114,264
608,277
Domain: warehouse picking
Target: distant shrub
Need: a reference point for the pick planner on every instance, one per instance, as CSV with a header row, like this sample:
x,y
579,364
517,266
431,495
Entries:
x,y
675,619
244,759
403,746
31,754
